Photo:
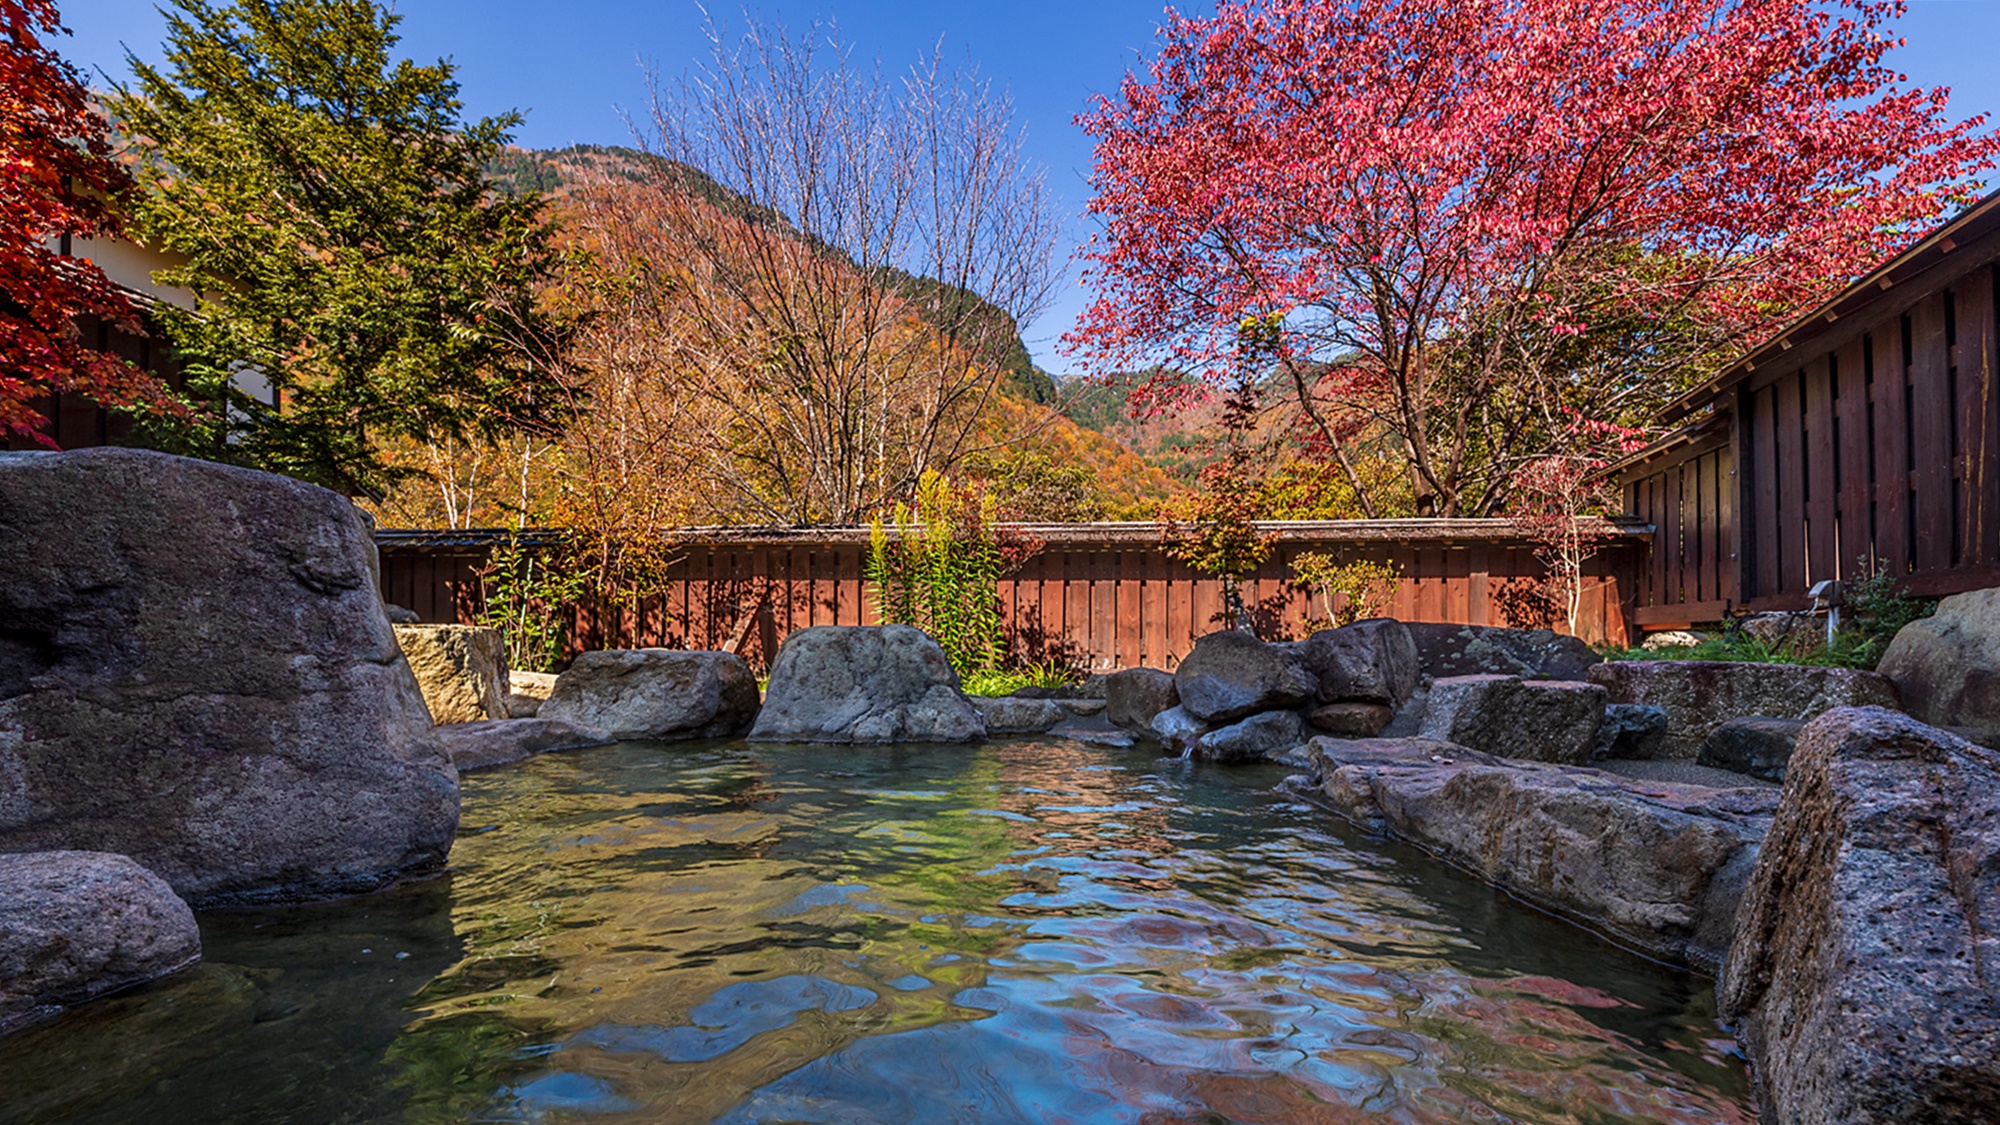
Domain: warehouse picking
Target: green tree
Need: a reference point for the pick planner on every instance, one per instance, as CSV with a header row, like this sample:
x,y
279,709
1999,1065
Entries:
x,y
356,277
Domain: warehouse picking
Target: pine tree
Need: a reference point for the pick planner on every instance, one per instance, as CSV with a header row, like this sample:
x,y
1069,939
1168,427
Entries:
x,y
357,278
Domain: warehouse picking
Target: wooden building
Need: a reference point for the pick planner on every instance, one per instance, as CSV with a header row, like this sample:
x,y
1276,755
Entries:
x,y
1865,435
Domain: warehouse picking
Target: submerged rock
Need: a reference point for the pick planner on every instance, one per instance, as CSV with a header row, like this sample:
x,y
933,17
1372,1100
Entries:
x,y
1474,650
1657,866
1232,675
78,925
499,742
1251,739
1373,661
1132,697
656,693
1699,695
1947,666
1863,972
1536,720
1757,745
1012,714
864,684
461,669
195,671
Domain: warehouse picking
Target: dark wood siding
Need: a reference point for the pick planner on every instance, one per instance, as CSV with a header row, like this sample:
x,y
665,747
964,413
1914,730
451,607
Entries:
x,y
1096,606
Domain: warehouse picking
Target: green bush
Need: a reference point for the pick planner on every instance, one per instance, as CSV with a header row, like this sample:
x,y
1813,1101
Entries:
x,y
938,567
1876,610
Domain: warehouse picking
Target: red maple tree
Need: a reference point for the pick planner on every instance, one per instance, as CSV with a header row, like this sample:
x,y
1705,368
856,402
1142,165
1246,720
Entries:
x,y
1477,218
57,179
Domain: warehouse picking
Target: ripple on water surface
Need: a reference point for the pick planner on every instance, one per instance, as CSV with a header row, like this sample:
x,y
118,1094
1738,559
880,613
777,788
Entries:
x,y
1034,931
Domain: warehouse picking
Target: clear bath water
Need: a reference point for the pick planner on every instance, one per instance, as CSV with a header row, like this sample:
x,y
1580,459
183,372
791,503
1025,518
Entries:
x,y
1033,931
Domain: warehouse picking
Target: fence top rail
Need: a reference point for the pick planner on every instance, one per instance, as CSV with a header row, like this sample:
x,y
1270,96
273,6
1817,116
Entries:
x,y
1059,536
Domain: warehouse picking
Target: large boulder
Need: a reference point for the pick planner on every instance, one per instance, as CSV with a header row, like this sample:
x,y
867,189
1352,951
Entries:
x,y
864,684
1373,661
1655,865
1251,739
1862,978
1536,720
656,693
461,669
1698,695
1947,666
1013,714
195,671
499,742
1232,675
1133,696
77,925
1756,745
1474,650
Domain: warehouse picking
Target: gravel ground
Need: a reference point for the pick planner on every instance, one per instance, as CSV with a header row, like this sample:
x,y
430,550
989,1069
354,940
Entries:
x,y
1684,773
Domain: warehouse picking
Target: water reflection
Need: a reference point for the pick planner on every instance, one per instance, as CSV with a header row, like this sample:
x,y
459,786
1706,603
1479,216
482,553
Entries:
x,y
1033,931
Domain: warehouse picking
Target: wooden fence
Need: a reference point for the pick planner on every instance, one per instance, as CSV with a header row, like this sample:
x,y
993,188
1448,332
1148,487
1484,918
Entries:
x,y
1096,596
1865,437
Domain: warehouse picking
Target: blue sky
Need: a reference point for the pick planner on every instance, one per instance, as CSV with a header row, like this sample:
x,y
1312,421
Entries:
x,y
571,66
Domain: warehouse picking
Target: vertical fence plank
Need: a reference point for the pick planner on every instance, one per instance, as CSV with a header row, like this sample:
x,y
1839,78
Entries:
x,y
1931,433
1851,416
1979,418
1820,500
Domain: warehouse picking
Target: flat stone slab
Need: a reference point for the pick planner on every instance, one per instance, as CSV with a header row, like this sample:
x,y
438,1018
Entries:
x,y
1473,650
1654,865
78,925
499,742
1699,695
1680,773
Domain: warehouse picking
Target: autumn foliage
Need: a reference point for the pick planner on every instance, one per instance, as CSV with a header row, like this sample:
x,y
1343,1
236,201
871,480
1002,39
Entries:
x,y
57,181
1476,218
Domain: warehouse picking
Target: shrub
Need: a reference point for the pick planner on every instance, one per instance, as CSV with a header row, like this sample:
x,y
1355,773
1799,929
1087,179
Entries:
x,y
1349,592
938,565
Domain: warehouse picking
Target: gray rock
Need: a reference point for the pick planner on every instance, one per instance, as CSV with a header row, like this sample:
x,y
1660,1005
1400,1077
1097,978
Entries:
x,y
1231,675
527,691
1862,974
1681,772
1012,714
195,671
1132,697
1351,720
78,925
1535,720
461,669
499,742
1757,745
1177,730
1472,650
1630,730
1947,666
1084,707
1373,661
1673,638
1656,866
1698,695
1785,630
1409,718
1251,739
397,615
864,683
656,693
